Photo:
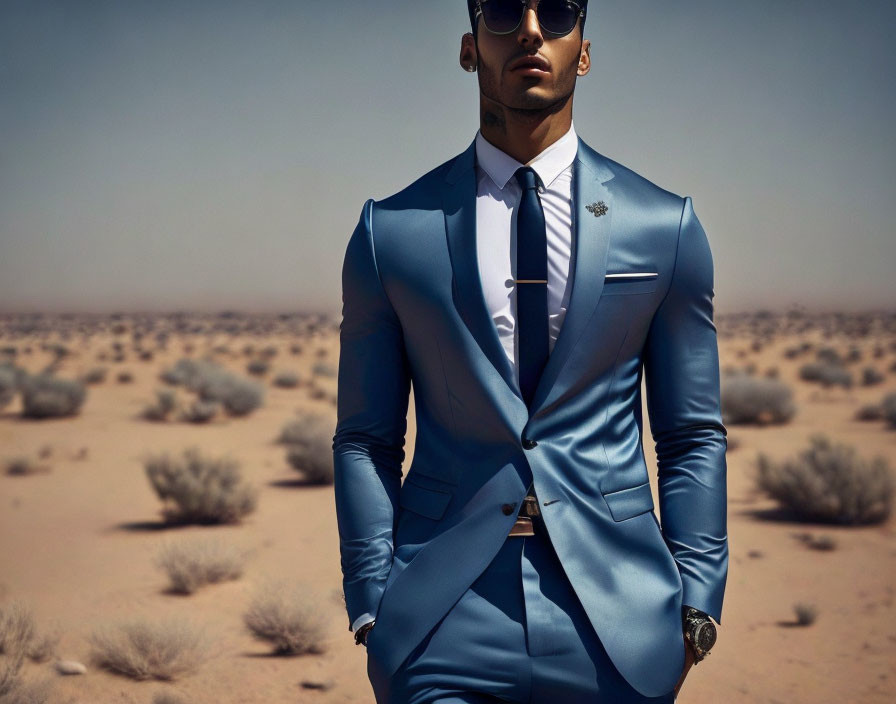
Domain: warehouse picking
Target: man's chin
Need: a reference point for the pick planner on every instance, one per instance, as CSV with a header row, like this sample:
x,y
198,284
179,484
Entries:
x,y
533,103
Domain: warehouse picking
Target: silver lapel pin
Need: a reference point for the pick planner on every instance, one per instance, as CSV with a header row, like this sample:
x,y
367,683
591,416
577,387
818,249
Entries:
x,y
597,209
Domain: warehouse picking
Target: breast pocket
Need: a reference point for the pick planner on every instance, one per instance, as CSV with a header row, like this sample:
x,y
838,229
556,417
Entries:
x,y
622,282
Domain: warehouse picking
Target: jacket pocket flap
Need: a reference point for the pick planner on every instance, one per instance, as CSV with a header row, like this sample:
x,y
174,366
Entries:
x,y
626,503
423,500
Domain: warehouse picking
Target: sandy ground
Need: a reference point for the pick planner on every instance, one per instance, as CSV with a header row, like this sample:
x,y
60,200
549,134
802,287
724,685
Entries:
x,y
78,543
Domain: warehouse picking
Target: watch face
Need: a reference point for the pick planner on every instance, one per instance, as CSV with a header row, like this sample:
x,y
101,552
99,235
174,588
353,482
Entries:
x,y
705,636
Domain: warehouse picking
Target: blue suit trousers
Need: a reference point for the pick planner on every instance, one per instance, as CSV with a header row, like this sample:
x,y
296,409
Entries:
x,y
518,634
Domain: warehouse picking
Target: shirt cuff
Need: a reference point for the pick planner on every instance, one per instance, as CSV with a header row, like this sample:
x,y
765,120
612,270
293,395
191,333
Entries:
x,y
361,620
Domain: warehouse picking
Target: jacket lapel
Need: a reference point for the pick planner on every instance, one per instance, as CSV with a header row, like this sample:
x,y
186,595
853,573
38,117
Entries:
x,y
591,244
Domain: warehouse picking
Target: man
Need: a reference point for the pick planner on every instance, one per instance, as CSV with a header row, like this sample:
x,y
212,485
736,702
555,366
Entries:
x,y
524,286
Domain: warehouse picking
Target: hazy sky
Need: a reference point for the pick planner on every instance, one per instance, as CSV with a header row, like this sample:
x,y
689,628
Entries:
x,y
160,155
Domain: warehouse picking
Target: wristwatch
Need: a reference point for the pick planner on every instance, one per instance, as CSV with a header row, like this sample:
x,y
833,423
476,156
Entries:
x,y
699,631
361,633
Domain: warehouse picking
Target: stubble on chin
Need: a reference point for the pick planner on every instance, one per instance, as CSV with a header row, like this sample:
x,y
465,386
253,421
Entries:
x,y
529,107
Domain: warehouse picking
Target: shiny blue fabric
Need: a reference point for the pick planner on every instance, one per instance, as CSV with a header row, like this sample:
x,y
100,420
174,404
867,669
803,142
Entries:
x,y
518,634
414,312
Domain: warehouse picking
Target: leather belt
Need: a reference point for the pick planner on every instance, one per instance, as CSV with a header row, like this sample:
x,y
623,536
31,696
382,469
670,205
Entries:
x,y
524,524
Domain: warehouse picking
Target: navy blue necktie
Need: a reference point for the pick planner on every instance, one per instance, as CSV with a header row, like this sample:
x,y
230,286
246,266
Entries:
x,y
531,283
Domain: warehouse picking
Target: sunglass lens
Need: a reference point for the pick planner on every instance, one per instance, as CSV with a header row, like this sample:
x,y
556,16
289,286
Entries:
x,y
557,16
501,15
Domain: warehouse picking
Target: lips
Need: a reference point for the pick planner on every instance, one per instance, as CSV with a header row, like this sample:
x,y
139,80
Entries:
x,y
536,62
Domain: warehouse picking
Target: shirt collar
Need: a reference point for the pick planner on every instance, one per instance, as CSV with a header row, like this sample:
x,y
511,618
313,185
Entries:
x,y
501,167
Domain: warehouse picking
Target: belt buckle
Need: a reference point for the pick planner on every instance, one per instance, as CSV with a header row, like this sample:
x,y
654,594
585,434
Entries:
x,y
529,506
523,526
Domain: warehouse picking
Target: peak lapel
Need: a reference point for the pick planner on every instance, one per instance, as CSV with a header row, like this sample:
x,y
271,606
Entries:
x,y
592,240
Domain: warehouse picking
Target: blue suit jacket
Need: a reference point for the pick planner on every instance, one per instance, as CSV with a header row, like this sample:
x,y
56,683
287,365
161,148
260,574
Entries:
x,y
413,311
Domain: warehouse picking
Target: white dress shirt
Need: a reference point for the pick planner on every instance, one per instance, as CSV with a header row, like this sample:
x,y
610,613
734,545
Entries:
x,y
497,200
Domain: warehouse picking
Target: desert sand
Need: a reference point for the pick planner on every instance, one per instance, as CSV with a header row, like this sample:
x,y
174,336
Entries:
x,y
77,541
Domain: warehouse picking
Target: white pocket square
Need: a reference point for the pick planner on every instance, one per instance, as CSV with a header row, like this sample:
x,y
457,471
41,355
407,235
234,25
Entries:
x,y
633,274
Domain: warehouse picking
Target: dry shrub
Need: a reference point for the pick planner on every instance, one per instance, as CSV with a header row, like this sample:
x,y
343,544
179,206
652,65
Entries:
x,y
313,458
95,375
284,615
199,489
888,406
286,379
309,441
19,640
48,396
166,402
17,628
18,633
324,369
188,372
191,565
22,465
200,411
817,542
307,426
323,388
827,374
871,376
238,396
870,412
760,400
805,613
42,647
143,649
829,483
258,367
9,383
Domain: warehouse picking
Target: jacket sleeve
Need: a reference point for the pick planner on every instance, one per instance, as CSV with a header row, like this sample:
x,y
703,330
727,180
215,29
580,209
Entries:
x,y
681,365
368,445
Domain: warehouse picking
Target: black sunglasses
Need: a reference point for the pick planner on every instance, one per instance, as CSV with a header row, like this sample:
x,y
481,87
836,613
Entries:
x,y
557,18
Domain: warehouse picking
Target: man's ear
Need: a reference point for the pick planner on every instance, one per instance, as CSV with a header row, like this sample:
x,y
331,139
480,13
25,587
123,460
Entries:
x,y
584,58
469,56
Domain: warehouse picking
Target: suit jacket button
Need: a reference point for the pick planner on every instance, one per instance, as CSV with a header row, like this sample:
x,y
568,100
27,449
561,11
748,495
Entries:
x,y
507,509
528,443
